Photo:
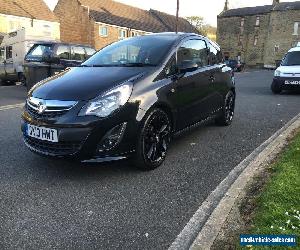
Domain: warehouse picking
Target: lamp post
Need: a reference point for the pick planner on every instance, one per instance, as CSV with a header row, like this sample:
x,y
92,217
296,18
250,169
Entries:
x,y
177,16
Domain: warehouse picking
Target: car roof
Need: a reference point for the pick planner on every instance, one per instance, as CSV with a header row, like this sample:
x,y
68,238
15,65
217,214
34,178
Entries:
x,y
62,43
294,49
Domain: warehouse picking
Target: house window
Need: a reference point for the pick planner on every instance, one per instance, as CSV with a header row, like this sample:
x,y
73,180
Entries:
x,y
242,22
240,39
255,40
9,52
122,34
257,21
296,28
103,31
134,33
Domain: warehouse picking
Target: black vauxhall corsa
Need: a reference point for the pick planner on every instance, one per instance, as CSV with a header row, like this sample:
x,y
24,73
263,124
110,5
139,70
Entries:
x,y
128,100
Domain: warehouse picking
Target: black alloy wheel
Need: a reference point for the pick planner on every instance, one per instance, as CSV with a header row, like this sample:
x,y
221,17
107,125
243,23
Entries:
x,y
154,140
228,110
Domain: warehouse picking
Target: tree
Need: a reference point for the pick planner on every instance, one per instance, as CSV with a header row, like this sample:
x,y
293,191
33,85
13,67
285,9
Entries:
x,y
198,22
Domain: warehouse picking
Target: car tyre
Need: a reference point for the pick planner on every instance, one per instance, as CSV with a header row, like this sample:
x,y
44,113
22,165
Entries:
x,y
276,88
225,119
153,140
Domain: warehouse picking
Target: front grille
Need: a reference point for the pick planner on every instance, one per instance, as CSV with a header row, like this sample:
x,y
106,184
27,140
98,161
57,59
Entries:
x,y
53,148
45,115
48,109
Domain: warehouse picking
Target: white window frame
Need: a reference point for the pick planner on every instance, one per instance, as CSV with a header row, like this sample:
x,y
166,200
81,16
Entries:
x,y
101,29
242,22
134,33
122,34
255,40
296,29
257,22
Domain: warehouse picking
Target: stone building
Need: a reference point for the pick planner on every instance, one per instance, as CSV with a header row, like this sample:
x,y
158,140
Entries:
x,y
261,35
99,23
17,14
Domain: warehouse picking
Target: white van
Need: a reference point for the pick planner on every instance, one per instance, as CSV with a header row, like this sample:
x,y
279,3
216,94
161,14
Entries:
x,y
287,75
13,49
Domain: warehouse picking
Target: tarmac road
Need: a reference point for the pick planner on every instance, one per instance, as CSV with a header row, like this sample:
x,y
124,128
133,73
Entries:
x,y
47,203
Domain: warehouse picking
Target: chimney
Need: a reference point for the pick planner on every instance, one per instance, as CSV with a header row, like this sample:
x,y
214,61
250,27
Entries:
x,y
275,2
226,6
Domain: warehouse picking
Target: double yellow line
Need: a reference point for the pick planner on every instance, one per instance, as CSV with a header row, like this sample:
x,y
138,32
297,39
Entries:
x,y
13,106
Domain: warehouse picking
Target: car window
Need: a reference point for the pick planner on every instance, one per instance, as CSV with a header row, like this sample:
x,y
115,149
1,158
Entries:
x,y
215,54
89,52
63,52
141,50
37,51
171,67
78,53
291,58
8,52
193,50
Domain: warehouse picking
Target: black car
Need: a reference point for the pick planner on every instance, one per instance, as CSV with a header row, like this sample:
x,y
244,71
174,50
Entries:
x,y
46,59
129,99
235,65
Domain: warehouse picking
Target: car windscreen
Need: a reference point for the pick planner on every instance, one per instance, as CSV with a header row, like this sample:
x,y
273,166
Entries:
x,y
137,51
37,52
291,58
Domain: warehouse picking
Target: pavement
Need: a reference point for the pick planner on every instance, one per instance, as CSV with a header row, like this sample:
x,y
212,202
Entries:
x,y
47,203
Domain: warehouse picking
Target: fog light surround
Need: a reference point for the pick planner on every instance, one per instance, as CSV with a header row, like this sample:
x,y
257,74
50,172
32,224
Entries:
x,y
112,138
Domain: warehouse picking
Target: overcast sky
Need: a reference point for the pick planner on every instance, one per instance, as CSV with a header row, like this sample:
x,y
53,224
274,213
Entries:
x,y
208,9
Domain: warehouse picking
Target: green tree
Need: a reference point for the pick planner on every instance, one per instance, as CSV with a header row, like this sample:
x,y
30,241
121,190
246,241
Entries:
x,y
198,22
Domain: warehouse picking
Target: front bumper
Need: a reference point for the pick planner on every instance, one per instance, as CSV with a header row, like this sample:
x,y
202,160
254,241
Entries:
x,y
287,83
83,137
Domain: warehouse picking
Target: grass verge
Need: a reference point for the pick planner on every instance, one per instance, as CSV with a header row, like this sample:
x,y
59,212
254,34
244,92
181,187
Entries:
x,y
278,204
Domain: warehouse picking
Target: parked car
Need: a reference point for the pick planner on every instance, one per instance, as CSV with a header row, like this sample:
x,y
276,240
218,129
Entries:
x,y
235,65
13,49
49,58
129,99
287,75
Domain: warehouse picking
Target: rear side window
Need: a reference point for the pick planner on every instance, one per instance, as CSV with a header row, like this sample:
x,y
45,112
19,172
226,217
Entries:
x,y
63,52
38,50
89,52
215,54
78,54
193,50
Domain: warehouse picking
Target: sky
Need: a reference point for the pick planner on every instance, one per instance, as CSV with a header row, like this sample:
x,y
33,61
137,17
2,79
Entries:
x,y
207,9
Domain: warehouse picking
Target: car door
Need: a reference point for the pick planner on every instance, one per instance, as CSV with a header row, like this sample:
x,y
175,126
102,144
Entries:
x,y
193,90
218,77
10,72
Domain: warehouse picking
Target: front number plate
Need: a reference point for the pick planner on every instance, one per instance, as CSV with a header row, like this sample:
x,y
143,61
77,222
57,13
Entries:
x,y
291,82
42,133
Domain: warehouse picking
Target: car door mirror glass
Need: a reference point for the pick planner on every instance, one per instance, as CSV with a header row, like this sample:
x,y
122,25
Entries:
x,y
187,66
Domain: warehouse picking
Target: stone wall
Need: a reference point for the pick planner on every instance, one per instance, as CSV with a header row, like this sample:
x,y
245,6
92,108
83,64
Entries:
x,y
280,38
275,36
239,41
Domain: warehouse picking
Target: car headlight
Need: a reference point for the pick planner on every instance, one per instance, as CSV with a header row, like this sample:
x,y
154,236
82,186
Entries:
x,y
105,104
277,73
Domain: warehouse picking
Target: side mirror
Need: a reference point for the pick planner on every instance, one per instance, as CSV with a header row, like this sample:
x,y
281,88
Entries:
x,y
187,66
